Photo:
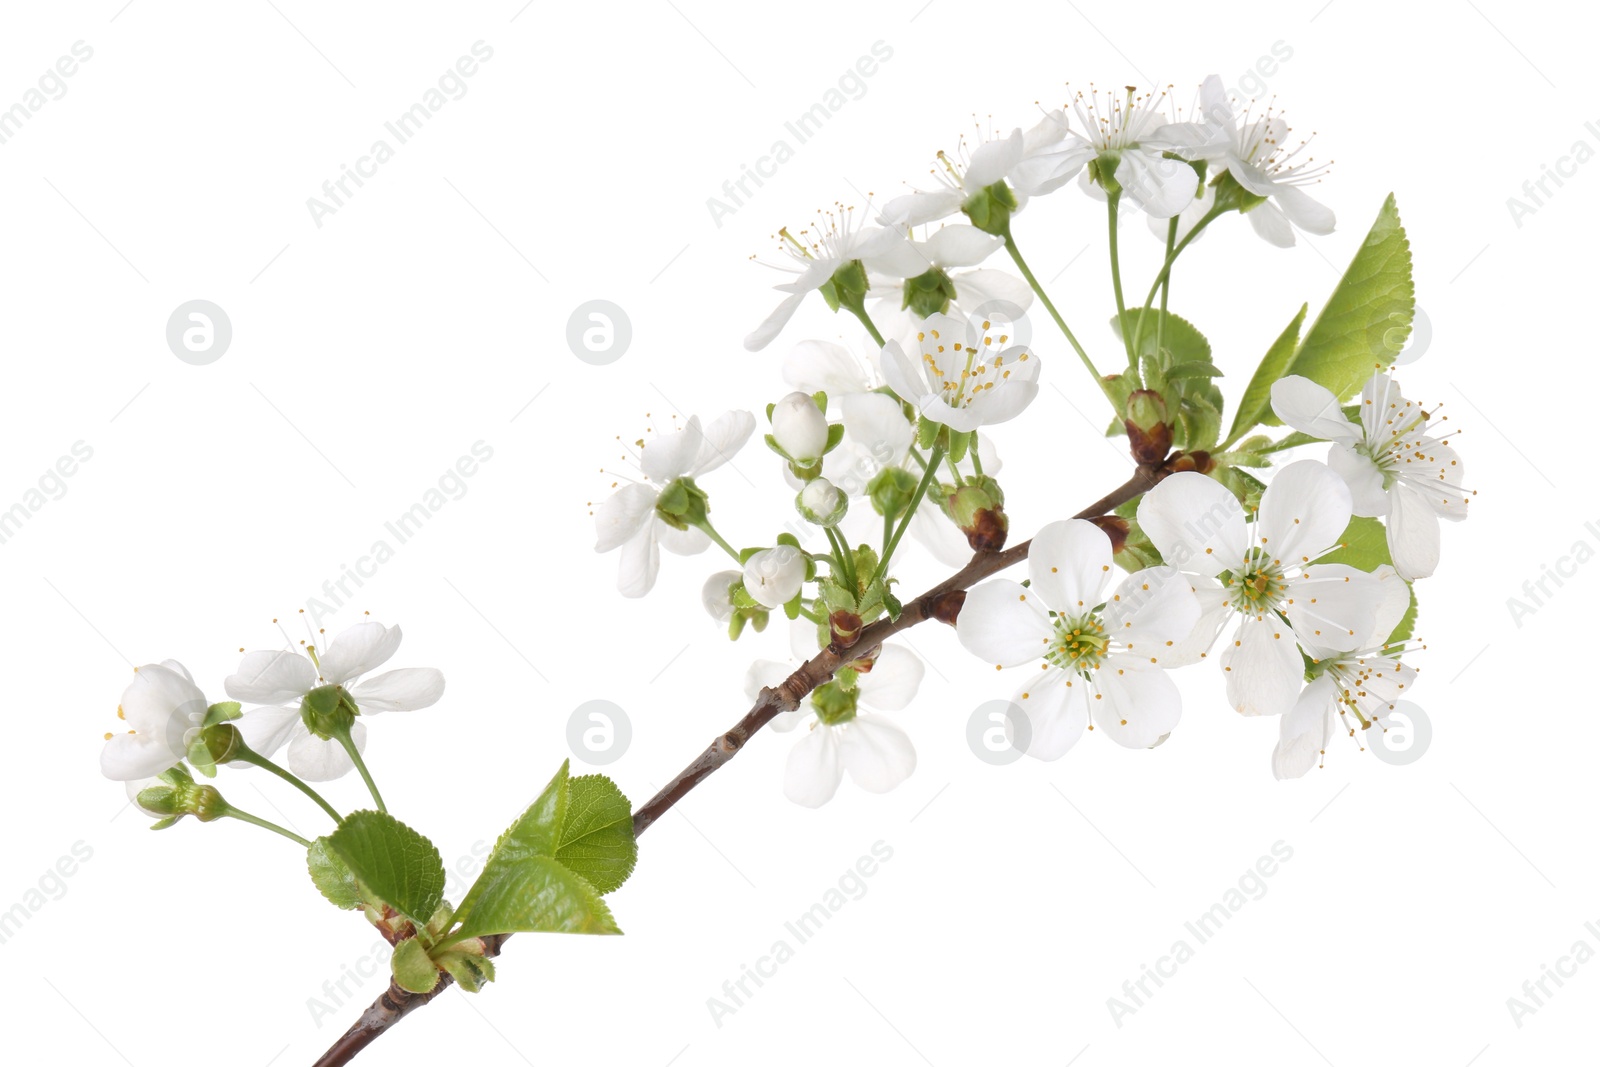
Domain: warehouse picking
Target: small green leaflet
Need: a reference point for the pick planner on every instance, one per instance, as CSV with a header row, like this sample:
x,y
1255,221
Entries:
x,y
549,868
331,877
1363,326
393,862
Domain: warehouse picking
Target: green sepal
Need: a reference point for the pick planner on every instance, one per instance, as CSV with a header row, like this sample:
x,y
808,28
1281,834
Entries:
x,y
835,434
224,711
990,208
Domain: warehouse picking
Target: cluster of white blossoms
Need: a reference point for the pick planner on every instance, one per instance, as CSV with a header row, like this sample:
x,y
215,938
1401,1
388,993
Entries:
x,y
1294,579
309,700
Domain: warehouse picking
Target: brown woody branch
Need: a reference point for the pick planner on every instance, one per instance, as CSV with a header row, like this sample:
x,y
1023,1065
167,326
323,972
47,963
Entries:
x,y
941,602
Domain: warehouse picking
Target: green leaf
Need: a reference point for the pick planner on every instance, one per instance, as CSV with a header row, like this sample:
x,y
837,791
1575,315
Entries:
x,y
392,862
412,968
535,893
1256,403
1179,338
1199,368
525,887
1364,545
331,877
596,839
1408,622
1363,326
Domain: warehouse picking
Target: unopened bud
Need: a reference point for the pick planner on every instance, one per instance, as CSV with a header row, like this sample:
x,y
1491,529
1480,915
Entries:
x,y
1149,436
799,428
821,502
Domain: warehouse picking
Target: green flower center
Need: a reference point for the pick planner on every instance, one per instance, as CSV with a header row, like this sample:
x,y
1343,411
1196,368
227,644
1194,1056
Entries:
x,y
1078,644
1259,587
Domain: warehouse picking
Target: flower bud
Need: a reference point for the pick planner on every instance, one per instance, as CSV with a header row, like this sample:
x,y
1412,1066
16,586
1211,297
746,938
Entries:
x,y
821,502
174,794
717,594
891,490
978,509
799,428
1149,436
774,576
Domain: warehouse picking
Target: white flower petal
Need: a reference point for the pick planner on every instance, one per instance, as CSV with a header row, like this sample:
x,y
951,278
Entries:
x,y
687,542
825,367
129,757
1394,600
1262,666
992,161
918,208
268,729
1215,613
721,441
1270,225
1004,624
997,294
162,702
669,456
357,650
1152,610
317,760
617,520
1195,523
1160,186
1303,211
877,753
1303,733
1363,478
1050,169
639,562
943,539
1413,533
1136,707
1057,708
1069,565
1312,409
893,681
959,246
1304,511
1333,606
876,435
813,771
773,324
407,689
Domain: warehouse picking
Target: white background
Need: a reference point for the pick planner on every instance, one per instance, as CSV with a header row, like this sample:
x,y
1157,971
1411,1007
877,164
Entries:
x,y
429,313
